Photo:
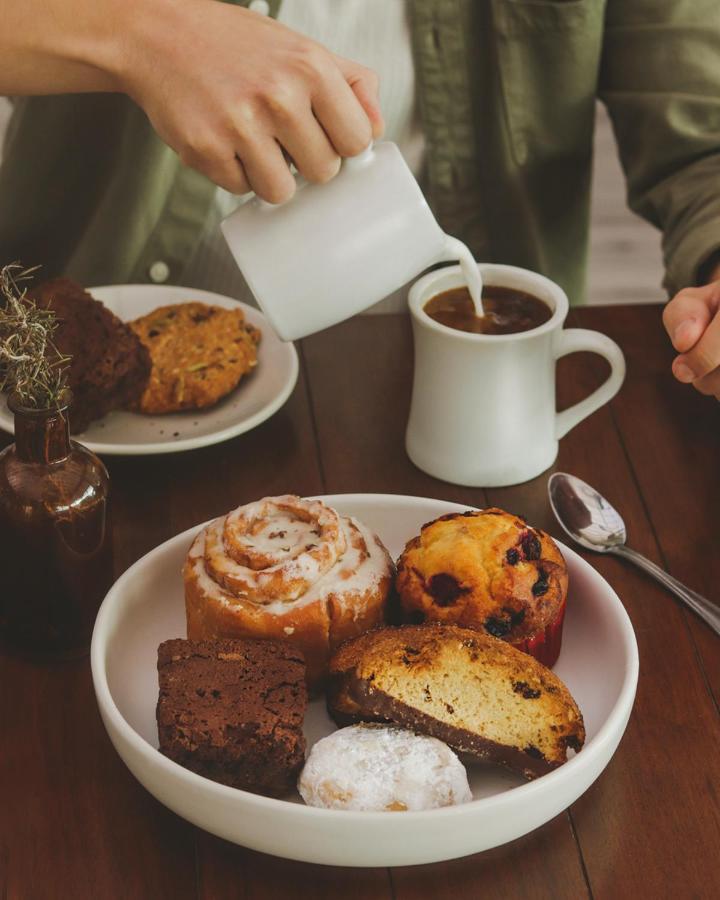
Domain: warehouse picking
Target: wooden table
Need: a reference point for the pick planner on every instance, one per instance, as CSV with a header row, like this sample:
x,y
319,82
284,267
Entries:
x,y
74,823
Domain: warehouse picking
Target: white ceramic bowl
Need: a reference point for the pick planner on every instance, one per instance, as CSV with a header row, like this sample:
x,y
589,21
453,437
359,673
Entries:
x,y
599,663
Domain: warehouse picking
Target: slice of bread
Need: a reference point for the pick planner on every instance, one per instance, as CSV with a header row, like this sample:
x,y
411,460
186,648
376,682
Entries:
x,y
481,696
109,366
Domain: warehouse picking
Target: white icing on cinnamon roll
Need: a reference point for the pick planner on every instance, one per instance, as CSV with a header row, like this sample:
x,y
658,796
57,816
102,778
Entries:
x,y
273,549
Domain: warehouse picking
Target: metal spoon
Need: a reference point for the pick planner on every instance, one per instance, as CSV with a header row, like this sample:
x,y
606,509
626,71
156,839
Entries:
x,y
589,519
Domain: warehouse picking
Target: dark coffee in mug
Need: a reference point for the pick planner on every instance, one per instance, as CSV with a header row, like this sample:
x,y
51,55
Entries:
x,y
506,310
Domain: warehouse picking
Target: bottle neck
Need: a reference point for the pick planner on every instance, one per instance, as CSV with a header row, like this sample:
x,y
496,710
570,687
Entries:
x,y
42,436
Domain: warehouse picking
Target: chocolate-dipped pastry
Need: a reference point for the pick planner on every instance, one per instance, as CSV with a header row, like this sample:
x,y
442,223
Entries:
x,y
482,697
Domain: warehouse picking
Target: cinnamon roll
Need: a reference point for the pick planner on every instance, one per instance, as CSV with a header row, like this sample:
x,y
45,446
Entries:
x,y
291,569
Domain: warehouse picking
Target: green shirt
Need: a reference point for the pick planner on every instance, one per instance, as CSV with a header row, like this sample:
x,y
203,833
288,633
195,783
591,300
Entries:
x,y
507,90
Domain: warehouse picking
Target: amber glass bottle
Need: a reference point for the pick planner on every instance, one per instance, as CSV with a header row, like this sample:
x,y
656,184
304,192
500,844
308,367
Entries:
x,y
55,539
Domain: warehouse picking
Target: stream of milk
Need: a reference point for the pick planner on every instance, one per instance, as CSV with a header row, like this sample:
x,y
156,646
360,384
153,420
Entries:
x,y
455,249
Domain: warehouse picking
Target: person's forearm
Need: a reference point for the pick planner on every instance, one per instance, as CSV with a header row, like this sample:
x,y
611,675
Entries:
x,y
226,88
65,46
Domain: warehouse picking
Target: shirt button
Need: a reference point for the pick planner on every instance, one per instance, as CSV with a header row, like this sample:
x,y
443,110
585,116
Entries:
x,y
159,271
260,6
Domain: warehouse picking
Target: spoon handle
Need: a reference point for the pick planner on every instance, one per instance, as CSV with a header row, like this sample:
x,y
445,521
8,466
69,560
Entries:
x,y
707,611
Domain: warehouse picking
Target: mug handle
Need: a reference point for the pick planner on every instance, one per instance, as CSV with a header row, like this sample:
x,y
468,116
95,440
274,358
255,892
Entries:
x,y
572,340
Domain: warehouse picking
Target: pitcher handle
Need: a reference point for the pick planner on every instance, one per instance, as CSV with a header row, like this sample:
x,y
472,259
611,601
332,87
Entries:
x,y
573,340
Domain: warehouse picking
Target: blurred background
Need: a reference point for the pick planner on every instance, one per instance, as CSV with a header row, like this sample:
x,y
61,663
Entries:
x,y
625,259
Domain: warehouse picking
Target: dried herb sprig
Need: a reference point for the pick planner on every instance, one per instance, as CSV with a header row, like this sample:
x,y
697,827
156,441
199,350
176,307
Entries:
x,y
31,366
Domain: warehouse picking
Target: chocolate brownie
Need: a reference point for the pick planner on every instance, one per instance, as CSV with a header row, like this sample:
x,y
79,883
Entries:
x,y
110,366
232,710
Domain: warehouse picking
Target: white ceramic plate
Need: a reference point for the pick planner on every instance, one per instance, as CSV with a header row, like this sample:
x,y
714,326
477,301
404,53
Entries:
x,y
599,663
255,399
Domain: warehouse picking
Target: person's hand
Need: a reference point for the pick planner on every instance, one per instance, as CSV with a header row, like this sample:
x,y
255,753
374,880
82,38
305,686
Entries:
x,y
238,95
692,319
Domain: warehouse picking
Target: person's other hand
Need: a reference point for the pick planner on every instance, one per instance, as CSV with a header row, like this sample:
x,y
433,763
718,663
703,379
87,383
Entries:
x,y
238,95
692,319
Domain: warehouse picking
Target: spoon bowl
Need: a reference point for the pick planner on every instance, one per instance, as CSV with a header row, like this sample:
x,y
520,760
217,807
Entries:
x,y
594,523
584,514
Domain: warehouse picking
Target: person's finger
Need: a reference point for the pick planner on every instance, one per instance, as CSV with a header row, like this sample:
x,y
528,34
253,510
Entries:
x,y
227,171
709,385
365,85
232,177
305,142
372,109
703,358
242,180
341,115
688,314
266,168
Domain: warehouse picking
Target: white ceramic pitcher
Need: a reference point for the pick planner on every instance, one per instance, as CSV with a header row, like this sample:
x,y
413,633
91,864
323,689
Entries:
x,y
335,249
483,405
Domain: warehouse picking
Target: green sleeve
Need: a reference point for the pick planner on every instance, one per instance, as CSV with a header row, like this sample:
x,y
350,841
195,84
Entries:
x,y
660,80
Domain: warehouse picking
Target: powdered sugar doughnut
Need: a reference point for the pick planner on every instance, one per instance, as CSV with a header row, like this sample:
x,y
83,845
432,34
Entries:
x,y
375,768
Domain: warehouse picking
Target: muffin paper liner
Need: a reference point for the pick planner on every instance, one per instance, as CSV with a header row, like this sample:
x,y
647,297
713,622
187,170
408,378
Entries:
x,y
545,645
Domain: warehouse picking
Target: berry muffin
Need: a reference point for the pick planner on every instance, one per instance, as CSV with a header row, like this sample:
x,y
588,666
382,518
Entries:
x,y
488,570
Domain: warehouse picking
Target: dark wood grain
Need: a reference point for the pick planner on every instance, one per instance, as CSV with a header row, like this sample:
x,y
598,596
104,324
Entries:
x,y
69,805
540,866
675,457
170,493
360,376
75,823
674,717
227,872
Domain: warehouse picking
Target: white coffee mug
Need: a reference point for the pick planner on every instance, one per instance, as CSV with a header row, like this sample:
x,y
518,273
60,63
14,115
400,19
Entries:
x,y
483,406
335,249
